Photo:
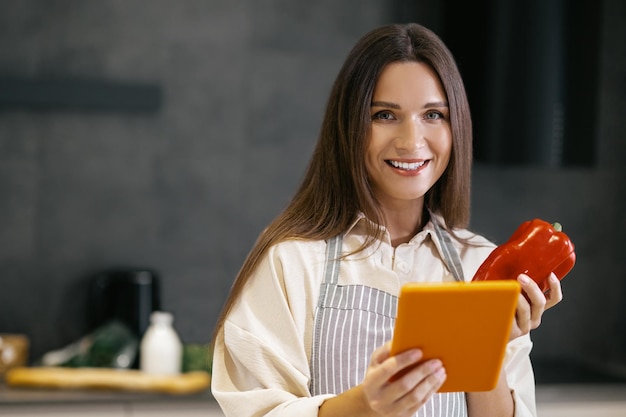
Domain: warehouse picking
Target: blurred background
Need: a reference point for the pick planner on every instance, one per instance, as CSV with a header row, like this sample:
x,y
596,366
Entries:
x,y
164,135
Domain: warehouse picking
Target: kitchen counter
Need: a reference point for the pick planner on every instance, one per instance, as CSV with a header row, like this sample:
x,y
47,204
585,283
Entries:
x,y
553,400
16,396
26,402
581,400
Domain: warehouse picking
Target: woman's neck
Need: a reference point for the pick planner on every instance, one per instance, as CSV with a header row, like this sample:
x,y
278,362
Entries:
x,y
404,223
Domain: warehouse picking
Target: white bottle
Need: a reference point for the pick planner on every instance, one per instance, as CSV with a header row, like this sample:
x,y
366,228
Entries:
x,y
161,351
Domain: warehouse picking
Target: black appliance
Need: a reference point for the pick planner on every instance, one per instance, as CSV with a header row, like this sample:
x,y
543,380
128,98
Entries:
x,y
127,294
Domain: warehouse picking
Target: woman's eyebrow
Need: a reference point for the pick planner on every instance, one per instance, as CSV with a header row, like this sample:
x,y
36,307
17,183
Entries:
x,y
436,104
385,104
397,106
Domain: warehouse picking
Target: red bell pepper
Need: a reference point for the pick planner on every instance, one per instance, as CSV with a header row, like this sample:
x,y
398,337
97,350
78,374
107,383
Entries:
x,y
536,249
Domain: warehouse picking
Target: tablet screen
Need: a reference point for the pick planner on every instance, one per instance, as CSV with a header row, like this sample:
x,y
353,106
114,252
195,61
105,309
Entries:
x,y
465,324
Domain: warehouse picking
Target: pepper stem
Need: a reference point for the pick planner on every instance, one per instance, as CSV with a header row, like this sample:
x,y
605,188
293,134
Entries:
x,y
557,226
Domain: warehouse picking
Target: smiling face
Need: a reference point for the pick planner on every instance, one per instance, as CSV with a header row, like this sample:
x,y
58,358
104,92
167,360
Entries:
x,y
410,136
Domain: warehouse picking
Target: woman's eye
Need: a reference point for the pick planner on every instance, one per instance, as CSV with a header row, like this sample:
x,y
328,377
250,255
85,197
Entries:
x,y
383,115
434,115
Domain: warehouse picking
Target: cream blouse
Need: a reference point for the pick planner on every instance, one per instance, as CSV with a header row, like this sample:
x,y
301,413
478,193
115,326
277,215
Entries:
x,y
261,362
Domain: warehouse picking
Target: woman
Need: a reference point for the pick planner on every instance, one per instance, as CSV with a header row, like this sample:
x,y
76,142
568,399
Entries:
x,y
385,200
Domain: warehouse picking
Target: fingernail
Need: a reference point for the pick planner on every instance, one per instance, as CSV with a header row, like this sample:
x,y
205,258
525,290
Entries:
x,y
416,354
436,363
440,373
523,279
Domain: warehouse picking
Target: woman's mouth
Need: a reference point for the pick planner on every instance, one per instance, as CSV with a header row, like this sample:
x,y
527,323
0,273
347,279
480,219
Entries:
x,y
406,166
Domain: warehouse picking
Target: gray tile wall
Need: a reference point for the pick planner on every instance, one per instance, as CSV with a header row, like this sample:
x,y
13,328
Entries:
x,y
589,327
184,190
187,189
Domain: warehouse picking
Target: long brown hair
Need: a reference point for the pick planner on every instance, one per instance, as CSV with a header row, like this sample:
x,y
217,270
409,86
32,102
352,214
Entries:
x,y
335,187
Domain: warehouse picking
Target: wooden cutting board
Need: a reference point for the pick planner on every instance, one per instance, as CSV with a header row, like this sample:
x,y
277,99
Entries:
x,y
107,378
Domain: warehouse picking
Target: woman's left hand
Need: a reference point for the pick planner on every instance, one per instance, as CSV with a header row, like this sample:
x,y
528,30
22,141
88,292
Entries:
x,y
530,308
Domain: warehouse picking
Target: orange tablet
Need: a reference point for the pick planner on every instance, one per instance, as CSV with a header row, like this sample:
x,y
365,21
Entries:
x,y
465,324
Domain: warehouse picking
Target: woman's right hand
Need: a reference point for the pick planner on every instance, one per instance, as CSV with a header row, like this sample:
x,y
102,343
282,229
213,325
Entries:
x,y
394,386
408,391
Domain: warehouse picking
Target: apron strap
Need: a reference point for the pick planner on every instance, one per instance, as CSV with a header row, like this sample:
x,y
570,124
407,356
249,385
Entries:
x,y
450,255
333,252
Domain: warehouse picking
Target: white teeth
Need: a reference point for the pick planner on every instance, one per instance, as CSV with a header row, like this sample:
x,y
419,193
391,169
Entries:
x,y
405,165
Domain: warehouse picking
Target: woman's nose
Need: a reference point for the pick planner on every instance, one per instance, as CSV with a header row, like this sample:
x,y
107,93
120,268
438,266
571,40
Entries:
x,y
410,136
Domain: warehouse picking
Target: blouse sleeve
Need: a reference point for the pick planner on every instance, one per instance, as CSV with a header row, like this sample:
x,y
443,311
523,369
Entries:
x,y
520,376
260,364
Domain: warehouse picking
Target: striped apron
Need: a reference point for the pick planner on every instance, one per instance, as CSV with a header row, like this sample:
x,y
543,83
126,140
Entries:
x,y
353,320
